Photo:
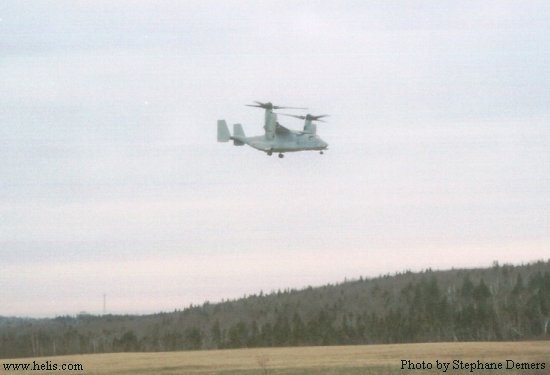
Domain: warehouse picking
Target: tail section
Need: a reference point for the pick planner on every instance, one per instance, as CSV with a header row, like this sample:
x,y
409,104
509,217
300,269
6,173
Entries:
x,y
224,135
223,131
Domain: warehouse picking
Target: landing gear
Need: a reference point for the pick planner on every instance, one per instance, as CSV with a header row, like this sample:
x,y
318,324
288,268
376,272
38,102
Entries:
x,y
281,156
321,152
270,153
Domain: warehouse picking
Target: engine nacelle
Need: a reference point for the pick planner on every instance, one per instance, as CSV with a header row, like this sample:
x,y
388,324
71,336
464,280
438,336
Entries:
x,y
310,127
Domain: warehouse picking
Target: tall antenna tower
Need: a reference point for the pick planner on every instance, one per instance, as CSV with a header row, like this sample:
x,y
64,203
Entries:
x,y
104,303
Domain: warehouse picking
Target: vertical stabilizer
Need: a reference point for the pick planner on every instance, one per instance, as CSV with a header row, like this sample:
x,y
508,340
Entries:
x,y
223,131
238,135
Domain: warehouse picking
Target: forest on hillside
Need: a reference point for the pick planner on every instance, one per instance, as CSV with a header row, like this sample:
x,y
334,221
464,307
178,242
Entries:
x,y
503,302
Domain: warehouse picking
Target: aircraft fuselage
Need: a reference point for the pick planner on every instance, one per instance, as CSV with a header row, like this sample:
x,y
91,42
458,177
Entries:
x,y
291,142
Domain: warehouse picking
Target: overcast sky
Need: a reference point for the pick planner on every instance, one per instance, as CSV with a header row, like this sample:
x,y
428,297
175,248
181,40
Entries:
x,y
111,179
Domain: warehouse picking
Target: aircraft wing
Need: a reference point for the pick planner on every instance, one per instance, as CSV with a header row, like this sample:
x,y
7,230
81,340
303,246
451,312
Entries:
x,y
280,129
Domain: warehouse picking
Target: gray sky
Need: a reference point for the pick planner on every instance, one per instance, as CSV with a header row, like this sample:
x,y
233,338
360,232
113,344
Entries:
x,y
111,180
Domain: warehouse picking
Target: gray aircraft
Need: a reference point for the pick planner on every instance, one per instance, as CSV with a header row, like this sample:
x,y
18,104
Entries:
x,y
277,138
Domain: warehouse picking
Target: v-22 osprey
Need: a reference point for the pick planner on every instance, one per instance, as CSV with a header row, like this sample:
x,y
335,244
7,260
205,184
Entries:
x,y
277,138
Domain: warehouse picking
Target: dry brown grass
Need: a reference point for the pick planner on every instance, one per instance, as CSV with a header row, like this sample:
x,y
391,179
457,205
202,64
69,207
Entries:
x,y
364,359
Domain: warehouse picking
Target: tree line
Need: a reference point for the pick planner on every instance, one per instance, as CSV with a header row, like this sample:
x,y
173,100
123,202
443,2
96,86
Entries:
x,y
503,302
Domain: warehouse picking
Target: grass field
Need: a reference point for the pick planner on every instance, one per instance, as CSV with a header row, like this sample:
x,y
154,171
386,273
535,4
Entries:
x,y
352,360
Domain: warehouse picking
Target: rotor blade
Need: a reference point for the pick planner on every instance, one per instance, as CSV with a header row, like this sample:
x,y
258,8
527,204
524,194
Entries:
x,y
261,105
270,106
278,107
318,117
308,117
296,116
